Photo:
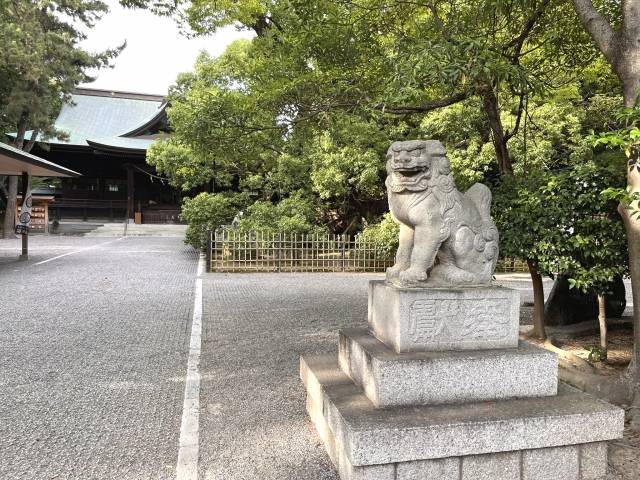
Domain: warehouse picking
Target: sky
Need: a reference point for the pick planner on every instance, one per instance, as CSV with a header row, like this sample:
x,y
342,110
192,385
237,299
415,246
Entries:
x,y
155,53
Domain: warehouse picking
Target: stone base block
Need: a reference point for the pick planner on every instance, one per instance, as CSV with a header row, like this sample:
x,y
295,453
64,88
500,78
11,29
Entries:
x,y
560,437
422,378
439,319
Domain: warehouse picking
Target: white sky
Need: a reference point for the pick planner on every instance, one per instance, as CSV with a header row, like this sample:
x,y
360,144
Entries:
x,y
155,52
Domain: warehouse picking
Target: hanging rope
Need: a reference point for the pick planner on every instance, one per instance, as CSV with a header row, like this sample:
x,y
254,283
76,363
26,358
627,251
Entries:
x,y
151,175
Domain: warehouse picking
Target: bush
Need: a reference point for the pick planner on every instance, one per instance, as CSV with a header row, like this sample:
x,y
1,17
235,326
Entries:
x,y
385,233
209,211
295,214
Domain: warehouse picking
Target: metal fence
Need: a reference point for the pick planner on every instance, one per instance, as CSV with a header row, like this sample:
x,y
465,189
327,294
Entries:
x,y
233,251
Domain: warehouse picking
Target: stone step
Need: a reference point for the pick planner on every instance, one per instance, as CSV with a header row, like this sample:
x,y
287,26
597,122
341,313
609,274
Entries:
x,y
421,378
444,319
547,438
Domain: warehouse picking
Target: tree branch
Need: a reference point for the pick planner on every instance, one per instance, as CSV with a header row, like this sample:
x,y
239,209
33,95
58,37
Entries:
x,y
32,140
510,134
531,22
438,21
425,107
598,27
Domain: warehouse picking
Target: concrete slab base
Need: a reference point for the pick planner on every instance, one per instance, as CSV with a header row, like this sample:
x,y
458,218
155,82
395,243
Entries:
x,y
421,378
560,437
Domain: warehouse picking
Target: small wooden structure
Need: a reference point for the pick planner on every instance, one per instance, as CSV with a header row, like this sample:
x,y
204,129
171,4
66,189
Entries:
x,y
15,162
39,213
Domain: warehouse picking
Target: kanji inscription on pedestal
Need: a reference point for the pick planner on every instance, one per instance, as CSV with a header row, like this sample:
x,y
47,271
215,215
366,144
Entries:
x,y
450,319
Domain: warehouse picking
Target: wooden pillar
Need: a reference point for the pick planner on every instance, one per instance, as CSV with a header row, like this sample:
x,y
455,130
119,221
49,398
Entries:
x,y
131,187
25,236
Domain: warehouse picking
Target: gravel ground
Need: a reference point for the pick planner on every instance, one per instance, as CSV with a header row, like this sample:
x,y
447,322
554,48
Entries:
x,y
256,326
93,351
253,422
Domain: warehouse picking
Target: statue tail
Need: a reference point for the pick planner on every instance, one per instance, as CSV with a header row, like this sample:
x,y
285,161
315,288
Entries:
x,y
480,195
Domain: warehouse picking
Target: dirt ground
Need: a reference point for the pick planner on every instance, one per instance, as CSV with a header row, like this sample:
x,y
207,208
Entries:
x,y
624,454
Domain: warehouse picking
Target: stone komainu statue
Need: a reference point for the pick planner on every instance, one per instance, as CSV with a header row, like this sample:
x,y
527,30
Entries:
x,y
446,237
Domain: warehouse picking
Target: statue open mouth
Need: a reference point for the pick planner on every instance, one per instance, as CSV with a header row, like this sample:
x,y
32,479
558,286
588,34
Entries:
x,y
409,175
408,171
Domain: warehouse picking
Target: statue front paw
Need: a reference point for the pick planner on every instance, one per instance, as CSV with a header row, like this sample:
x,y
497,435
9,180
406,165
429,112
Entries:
x,y
413,276
393,272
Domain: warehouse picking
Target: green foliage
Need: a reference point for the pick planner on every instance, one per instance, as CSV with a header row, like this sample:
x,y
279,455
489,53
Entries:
x,y
340,169
311,104
626,139
294,214
463,130
590,246
384,234
209,211
564,224
177,162
597,354
325,86
523,219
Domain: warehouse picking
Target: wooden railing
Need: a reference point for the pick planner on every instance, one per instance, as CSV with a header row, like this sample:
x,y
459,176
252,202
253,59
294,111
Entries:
x,y
163,215
232,251
84,207
512,265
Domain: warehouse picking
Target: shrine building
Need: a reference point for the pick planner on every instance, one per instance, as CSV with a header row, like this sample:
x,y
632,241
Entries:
x,y
107,137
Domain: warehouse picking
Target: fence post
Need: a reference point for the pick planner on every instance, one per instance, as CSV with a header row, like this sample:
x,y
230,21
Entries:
x,y
208,253
342,248
279,250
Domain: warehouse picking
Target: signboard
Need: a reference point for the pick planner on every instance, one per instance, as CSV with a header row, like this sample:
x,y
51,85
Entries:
x,y
24,219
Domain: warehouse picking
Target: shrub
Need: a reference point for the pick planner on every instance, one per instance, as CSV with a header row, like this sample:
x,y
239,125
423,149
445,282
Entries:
x,y
209,211
384,233
294,214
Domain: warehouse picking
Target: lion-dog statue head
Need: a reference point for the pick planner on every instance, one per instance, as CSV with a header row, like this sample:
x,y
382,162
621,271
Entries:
x,y
446,238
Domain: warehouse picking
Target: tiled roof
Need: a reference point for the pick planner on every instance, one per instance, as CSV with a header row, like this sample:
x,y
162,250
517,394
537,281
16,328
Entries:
x,y
99,114
121,143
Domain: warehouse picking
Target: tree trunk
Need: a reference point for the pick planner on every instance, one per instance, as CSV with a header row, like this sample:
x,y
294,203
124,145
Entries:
x,y
10,213
632,227
538,301
602,319
491,109
622,49
9,216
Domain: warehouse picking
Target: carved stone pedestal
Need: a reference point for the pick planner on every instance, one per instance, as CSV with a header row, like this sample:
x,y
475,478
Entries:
x,y
441,319
399,407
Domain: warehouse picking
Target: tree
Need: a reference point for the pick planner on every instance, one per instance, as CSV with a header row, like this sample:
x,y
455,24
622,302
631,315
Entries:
x,y
324,88
589,246
40,63
525,222
399,57
552,139
616,31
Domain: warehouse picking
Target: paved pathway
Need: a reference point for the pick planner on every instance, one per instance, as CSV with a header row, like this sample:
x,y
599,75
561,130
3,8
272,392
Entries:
x,y
255,327
93,355
253,424
94,343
